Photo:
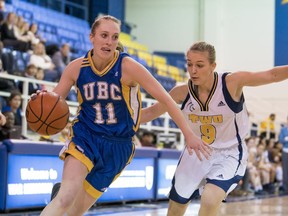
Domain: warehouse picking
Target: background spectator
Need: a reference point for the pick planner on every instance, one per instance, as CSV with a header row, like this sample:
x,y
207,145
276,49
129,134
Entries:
x,y
40,76
61,58
30,72
2,11
8,35
283,139
147,139
6,129
41,60
32,33
13,104
267,127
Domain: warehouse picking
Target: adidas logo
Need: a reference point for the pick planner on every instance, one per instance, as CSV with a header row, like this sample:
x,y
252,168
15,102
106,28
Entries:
x,y
220,176
221,103
116,74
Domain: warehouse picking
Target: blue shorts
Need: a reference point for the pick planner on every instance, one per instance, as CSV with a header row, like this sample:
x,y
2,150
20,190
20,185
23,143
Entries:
x,y
104,157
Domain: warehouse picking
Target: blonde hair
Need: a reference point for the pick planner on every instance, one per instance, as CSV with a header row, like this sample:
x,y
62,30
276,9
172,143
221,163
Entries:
x,y
104,17
204,47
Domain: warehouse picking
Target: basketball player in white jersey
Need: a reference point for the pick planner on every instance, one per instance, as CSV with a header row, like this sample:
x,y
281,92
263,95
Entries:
x,y
213,104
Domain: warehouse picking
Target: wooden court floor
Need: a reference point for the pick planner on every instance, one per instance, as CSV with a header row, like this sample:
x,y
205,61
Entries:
x,y
273,206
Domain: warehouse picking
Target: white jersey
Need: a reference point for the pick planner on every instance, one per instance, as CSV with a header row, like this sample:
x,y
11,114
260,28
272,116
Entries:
x,y
220,122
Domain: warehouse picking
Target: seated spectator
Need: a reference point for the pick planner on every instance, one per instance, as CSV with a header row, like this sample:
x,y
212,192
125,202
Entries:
x,y
255,156
2,11
2,117
8,36
13,104
265,168
9,130
35,38
30,72
41,60
40,76
147,139
19,21
7,60
7,84
6,129
61,58
277,164
22,33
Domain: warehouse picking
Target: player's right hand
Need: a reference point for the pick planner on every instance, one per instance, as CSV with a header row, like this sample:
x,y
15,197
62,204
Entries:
x,y
34,95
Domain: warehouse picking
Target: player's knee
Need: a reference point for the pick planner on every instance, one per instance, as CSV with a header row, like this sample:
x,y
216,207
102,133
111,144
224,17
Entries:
x,y
64,202
209,203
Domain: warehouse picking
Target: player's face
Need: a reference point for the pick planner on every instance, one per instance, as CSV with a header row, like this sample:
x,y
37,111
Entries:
x,y
105,39
199,68
15,102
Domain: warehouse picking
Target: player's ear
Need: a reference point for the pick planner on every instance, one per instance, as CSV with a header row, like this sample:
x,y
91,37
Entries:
x,y
91,36
213,66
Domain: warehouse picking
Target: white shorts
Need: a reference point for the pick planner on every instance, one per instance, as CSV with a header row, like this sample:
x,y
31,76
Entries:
x,y
225,168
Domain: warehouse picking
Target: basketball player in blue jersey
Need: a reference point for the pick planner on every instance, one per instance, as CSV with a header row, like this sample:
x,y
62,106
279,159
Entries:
x,y
213,104
100,144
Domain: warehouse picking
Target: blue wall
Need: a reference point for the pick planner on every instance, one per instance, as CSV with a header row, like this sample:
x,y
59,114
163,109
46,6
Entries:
x,y
112,7
281,32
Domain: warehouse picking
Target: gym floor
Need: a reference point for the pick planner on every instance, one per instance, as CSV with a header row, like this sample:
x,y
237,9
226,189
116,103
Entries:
x,y
236,206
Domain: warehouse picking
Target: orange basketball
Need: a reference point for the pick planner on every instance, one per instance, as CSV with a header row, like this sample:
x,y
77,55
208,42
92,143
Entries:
x,y
47,113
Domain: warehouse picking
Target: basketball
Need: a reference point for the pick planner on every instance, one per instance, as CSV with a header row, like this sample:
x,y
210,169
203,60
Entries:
x,y
47,113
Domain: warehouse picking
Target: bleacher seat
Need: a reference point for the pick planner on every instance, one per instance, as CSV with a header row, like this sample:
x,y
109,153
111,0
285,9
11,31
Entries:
x,y
20,62
172,124
27,15
72,96
58,28
159,122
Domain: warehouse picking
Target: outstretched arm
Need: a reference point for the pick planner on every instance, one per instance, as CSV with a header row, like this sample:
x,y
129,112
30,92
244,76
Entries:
x,y
236,81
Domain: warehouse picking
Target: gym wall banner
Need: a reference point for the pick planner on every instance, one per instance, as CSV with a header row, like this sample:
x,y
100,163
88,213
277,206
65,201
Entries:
x,y
30,179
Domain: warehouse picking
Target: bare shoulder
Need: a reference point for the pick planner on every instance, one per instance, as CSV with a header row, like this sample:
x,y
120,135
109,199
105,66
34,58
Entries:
x,y
129,63
73,68
133,72
232,76
76,63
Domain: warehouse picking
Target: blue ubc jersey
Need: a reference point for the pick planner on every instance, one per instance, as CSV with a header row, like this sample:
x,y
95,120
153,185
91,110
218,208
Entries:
x,y
107,106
